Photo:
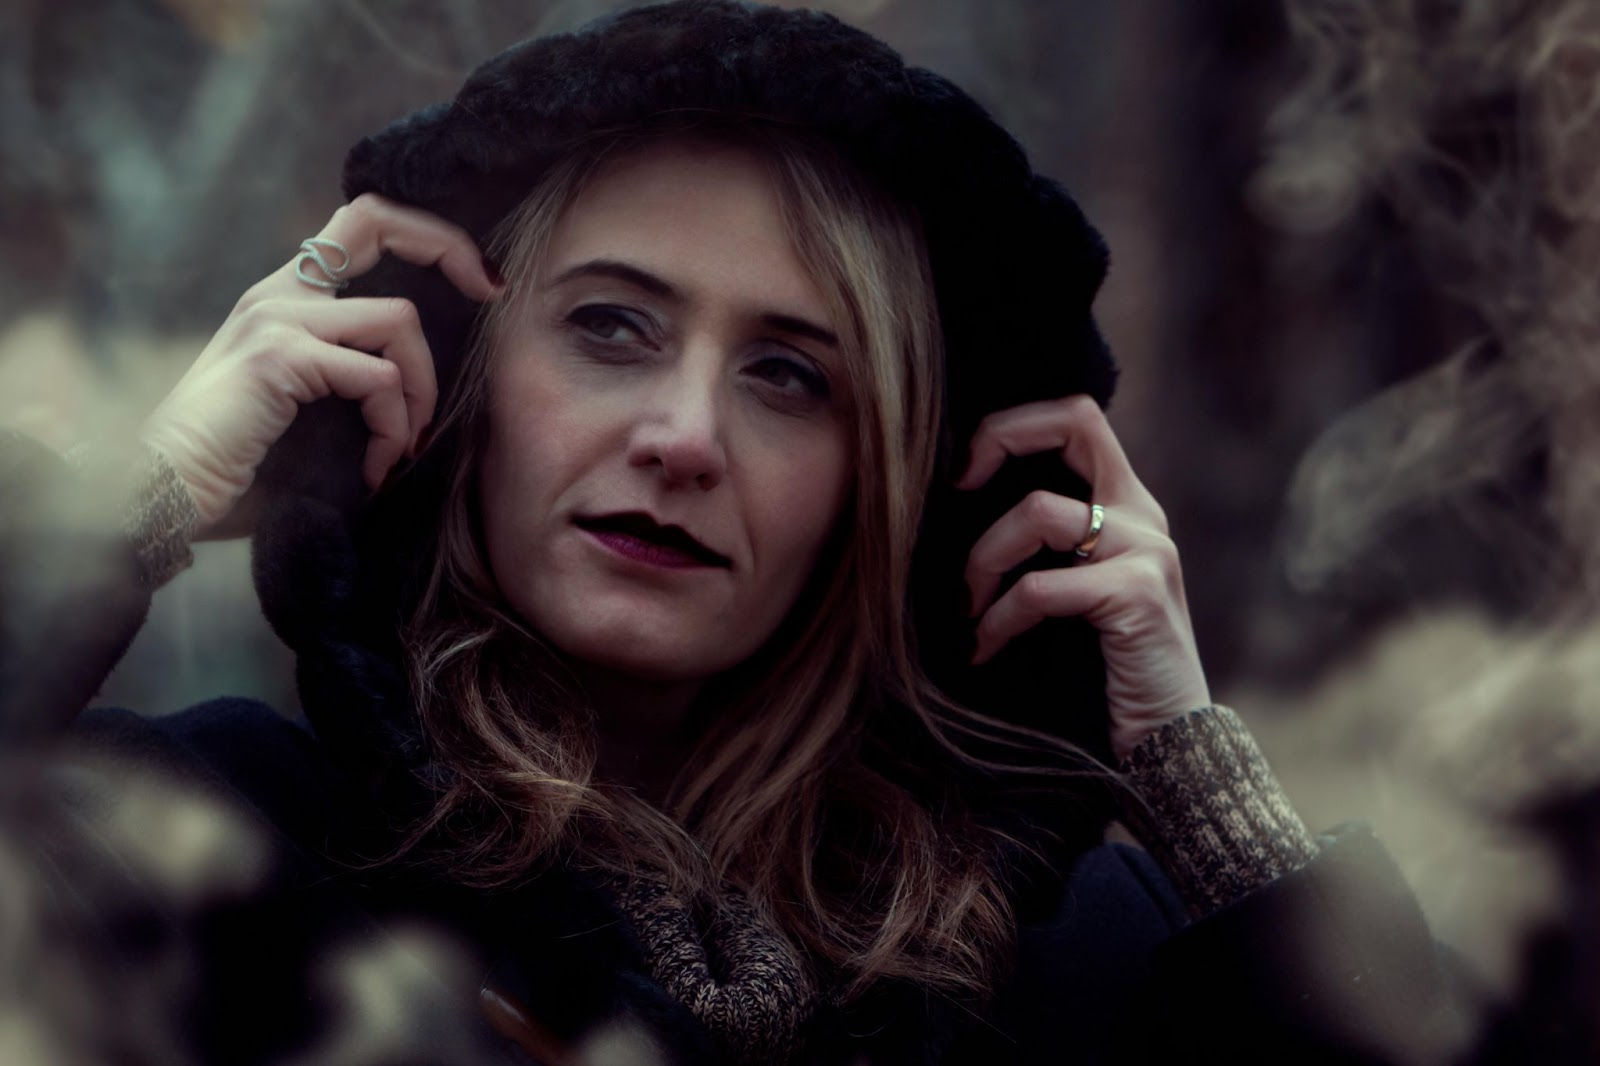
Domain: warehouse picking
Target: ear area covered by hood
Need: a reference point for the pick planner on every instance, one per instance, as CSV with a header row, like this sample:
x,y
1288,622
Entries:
x,y
1016,268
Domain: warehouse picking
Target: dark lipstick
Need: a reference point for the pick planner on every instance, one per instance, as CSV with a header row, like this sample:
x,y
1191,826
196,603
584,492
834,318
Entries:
x,y
638,536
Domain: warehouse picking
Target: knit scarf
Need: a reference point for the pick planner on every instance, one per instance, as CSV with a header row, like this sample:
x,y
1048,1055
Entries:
x,y
733,971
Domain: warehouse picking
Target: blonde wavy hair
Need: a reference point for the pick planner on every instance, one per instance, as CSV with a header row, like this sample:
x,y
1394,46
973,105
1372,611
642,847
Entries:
x,y
790,797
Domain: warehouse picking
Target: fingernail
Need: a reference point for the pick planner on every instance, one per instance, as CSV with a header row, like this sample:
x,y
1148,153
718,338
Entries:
x,y
496,278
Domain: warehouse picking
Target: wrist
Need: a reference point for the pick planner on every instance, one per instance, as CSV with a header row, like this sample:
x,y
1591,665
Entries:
x,y
1207,804
1130,729
159,519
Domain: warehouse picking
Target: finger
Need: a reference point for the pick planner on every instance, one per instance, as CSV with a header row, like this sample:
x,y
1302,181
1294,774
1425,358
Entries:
x,y
1042,519
321,369
1073,424
1092,592
388,327
370,226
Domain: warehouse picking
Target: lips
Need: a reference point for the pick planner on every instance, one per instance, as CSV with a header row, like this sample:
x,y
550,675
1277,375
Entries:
x,y
640,526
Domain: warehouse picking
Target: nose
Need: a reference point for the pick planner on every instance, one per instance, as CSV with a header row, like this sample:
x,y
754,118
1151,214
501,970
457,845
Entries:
x,y
680,432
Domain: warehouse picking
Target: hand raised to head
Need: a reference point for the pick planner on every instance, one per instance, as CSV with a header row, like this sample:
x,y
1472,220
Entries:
x,y
1129,585
288,342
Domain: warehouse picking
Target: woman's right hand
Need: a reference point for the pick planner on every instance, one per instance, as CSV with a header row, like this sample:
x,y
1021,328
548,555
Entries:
x,y
287,343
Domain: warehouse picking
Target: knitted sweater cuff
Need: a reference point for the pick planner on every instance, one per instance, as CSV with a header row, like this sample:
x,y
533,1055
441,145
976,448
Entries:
x,y
158,517
160,520
1209,808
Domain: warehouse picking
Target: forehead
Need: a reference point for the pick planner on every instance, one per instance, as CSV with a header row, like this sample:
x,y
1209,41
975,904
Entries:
x,y
707,217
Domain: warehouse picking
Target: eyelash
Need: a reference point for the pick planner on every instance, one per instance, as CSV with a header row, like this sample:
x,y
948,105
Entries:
x,y
587,318
812,380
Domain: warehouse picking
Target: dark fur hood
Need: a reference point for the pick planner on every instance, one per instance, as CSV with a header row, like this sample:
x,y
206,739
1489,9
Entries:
x,y
1016,269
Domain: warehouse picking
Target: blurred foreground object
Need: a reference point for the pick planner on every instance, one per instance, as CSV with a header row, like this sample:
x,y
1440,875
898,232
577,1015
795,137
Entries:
x,y
1470,135
145,922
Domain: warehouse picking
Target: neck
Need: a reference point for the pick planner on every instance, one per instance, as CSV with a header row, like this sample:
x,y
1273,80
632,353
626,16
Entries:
x,y
643,728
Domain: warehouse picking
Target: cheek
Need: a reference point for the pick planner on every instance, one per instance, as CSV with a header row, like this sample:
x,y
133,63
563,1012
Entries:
x,y
535,426
530,444
800,499
512,461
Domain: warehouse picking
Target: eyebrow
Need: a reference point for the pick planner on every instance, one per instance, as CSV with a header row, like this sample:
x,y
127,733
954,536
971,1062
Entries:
x,y
643,279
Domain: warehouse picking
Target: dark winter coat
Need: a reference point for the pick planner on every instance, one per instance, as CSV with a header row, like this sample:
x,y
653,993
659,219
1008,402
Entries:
x,y
1331,964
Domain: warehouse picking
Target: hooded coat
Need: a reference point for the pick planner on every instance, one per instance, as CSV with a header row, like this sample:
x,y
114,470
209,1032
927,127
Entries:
x,y
1108,967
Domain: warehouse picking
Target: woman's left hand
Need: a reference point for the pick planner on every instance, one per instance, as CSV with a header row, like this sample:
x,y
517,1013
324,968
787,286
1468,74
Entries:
x,y
1130,586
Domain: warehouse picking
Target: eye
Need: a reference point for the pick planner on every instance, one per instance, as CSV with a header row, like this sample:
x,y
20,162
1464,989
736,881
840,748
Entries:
x,y
790,377
613,325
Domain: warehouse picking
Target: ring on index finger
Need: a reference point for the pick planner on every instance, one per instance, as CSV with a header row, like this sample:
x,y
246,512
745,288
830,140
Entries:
x,y
1097,521
315,250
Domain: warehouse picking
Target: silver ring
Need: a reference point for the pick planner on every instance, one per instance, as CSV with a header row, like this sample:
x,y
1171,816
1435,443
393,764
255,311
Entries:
x,y
1097,521
314,250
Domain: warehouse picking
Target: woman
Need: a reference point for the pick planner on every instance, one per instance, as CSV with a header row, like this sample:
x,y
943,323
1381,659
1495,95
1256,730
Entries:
x,y
675,661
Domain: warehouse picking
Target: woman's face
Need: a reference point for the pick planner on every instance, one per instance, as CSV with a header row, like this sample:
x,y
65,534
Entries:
x,y
669,441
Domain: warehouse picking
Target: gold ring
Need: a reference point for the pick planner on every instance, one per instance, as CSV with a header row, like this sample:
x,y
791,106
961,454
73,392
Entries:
x,y
1097,521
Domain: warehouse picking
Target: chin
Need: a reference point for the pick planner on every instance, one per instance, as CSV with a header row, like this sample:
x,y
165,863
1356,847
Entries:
x,y
635,636
640,645
638,659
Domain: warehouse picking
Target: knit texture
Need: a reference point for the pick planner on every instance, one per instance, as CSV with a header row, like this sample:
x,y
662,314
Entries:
x,y
159,521
732,970
1213,812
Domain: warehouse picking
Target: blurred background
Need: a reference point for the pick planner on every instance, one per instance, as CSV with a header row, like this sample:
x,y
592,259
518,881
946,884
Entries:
x,y
1352,290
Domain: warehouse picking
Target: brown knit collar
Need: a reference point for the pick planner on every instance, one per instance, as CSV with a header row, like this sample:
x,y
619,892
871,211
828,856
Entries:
x,y
736,973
